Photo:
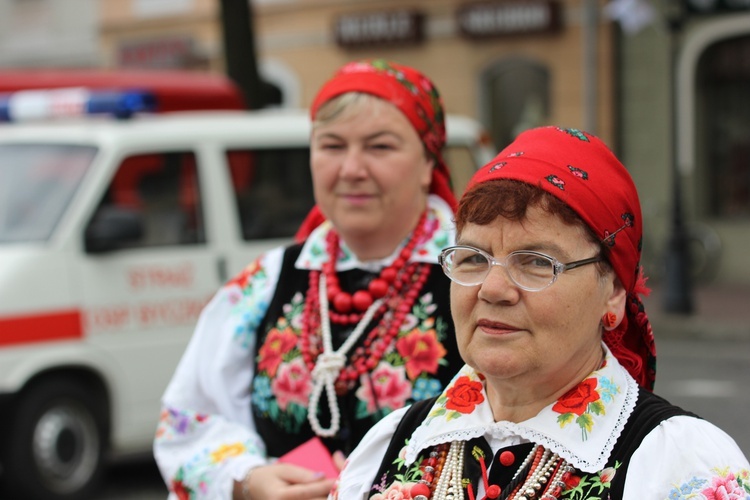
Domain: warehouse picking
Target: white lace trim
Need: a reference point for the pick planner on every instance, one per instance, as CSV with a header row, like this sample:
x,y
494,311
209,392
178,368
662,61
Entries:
x,y
582,456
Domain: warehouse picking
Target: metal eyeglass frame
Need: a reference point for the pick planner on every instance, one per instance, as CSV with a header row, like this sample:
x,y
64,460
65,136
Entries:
x,y
557,266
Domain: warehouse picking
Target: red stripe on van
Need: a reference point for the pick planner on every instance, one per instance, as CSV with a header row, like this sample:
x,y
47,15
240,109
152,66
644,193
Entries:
x,y
60,325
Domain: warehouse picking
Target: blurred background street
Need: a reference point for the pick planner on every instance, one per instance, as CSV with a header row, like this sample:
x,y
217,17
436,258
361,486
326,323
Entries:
x,y
119,217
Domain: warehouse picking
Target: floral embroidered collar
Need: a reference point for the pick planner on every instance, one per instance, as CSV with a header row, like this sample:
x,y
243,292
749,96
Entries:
x,y
582,426
439,215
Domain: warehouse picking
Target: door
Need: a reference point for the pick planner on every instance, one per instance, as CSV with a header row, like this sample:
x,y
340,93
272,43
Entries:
x,y
147,272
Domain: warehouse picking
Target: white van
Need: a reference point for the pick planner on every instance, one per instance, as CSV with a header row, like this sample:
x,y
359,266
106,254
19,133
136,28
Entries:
x,y
113,235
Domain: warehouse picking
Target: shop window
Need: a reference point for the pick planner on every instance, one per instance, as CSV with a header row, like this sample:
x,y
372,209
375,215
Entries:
x,y
273,190
162,191
517,97
723,128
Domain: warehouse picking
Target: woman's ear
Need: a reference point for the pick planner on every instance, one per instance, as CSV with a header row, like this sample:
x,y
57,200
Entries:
x,y
615,305
427,173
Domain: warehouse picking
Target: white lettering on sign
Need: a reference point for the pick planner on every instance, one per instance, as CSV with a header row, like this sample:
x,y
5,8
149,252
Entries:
x,y
149,278
496,19
378,27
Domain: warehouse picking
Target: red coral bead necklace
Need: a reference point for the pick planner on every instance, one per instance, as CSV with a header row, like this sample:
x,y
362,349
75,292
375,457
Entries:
x,y
390,295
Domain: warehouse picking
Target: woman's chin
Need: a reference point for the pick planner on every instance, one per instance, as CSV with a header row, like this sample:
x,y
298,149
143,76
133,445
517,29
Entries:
x,y
496,366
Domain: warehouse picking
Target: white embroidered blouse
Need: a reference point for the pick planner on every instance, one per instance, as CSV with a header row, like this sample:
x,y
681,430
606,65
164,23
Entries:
x,y
683,457
206,438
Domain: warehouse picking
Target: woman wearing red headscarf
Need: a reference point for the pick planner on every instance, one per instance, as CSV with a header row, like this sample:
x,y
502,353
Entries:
x,y
325,337
555,399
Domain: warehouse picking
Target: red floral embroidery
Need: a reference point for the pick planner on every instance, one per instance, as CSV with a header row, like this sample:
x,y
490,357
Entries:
x,y
573,481
421,351
396,491
464,395
387,387
180,491
293,384
577,399
277,344
724,488
245,275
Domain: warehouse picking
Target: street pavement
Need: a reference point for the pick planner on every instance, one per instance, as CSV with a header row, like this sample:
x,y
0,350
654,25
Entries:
x,y
719,311
703,358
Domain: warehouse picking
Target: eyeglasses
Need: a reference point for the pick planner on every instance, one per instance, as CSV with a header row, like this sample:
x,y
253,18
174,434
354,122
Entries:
x,y
531,271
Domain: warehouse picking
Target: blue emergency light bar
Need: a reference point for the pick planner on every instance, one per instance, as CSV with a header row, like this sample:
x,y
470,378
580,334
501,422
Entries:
x,y
28,105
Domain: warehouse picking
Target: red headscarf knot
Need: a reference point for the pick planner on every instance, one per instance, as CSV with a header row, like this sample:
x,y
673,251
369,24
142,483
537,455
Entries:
x,y
580,170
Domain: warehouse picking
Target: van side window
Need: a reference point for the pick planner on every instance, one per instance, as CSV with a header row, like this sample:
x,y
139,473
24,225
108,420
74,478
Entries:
x,y
161,193
273,190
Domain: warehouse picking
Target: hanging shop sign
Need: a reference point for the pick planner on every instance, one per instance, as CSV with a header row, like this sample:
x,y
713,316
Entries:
x,y
398,27
508,18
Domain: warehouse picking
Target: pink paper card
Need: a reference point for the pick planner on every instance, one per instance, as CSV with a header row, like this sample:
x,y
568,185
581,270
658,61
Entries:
x,y
312,455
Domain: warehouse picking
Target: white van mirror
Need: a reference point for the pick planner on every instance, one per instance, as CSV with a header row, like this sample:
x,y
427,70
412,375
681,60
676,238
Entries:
x,y
113,228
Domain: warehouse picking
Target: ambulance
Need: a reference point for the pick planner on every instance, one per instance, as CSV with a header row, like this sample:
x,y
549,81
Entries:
x,y
114,233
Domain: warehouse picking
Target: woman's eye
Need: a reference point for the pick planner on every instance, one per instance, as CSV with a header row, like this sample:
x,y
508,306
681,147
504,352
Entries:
x,y
540,262
382,146
473,259
534,261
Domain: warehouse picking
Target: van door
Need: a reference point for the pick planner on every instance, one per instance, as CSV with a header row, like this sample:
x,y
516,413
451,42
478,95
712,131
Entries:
x,y
147,271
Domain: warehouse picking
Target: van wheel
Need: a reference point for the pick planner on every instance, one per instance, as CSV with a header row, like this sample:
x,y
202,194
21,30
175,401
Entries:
x,y
56,442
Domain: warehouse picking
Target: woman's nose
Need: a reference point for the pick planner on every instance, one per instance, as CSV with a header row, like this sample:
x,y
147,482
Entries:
x,y
498,287
352,165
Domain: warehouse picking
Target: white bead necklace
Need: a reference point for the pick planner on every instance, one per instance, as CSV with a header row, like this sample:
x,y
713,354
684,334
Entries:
x,y
537,479
449,485
329,363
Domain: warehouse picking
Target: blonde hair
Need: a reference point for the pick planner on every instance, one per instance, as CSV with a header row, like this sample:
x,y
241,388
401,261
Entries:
x,y
342,106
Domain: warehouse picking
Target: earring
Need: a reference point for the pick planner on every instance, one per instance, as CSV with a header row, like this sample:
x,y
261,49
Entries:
x,y
609,321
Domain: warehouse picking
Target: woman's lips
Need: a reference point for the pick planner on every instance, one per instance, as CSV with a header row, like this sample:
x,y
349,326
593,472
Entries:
x,y
357,199
496,327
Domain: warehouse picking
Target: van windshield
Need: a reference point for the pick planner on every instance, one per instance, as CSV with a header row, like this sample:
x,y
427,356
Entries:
x,y
37,182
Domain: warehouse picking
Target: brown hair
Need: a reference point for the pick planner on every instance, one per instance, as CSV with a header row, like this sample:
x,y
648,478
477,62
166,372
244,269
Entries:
x,y
511,199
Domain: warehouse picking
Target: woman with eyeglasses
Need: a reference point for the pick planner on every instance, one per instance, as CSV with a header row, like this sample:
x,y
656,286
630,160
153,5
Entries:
x,y
555,399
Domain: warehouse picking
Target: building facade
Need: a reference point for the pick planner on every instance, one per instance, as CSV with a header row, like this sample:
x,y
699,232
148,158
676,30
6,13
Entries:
x,y
671,99
684,125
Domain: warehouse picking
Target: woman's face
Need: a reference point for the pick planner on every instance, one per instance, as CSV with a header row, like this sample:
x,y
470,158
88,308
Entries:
x,y
544,340
370,171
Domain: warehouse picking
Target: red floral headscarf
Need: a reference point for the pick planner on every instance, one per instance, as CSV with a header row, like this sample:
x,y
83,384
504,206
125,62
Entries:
x,y
580,170
413,94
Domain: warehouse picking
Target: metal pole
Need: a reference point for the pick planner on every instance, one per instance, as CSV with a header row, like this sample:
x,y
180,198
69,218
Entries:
x,y
678,284
590,64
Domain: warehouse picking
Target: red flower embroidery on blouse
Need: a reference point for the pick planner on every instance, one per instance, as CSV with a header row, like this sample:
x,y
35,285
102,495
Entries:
x,y
577,399
277,344
573,481
464,395
422,352
180,491
246,275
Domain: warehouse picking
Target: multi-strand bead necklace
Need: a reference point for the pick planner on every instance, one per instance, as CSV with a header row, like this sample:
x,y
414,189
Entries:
x,y
390,295
542,476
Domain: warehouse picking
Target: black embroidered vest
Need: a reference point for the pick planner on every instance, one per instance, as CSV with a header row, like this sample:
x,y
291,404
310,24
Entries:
x,y
649,412
280,387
